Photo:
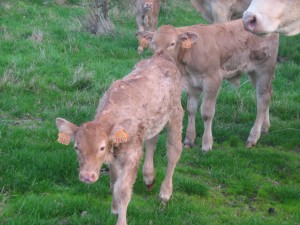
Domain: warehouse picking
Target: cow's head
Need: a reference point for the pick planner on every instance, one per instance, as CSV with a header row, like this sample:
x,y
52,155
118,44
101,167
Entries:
x,y
91,144
268,16
168,39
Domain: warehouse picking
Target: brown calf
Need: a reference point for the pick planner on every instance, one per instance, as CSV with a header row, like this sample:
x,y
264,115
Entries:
x,y
207,54
133,110
146,17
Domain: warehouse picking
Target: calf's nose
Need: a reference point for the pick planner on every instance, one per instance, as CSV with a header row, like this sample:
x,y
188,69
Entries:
x,y
148,5
249,21
88,177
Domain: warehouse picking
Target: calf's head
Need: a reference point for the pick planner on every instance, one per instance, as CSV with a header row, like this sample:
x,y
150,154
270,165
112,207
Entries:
x,y
148,5
91,144
168,39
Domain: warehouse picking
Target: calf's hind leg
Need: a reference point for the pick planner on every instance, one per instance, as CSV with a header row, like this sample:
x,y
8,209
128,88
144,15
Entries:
x,y
148,168
174,149
192,107
263,85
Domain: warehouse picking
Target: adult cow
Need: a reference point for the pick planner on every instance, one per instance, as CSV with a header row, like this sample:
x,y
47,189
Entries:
x,y
269,16
207,54
220,11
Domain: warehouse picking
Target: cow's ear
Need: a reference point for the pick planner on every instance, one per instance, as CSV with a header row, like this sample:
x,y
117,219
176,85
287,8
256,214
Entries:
x,y
187,39
66,129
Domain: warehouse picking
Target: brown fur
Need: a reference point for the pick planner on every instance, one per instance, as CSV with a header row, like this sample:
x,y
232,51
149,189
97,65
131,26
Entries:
x,y
219,51
141,104
220,11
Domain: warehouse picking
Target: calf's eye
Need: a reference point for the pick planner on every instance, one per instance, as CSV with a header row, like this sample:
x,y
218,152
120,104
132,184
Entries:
x,y
102,148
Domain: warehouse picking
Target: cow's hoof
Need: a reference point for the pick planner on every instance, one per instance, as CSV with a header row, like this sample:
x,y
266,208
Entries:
x,y
150,186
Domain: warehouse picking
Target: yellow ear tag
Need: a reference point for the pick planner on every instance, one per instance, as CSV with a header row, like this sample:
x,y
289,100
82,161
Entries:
x,y
121,137
143,42
186,43
63,138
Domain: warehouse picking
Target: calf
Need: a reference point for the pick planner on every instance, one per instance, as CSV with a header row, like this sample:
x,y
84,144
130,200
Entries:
x,y
268,16
220,11
133,110
207,54
146,17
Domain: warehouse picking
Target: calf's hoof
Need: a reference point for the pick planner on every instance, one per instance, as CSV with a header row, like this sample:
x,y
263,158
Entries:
x,y
187,144
114,211
249,144
264,130
206,148
164,197
150,186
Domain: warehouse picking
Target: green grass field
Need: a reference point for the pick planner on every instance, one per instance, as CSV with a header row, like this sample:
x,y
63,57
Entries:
x,y
50,66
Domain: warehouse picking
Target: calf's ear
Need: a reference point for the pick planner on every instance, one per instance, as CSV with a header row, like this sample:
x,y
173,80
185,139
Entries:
x,y
186,39
66,127
144,37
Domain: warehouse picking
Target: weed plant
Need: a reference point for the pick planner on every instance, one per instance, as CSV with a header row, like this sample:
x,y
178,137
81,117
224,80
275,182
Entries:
x,y
50,66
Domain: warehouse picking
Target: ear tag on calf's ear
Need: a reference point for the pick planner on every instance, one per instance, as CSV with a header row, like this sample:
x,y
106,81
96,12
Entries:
x,y
120,137
143,42
186,43
63,138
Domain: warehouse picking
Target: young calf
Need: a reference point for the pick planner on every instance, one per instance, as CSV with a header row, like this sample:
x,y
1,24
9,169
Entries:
x,y
133,110
207,54
146,17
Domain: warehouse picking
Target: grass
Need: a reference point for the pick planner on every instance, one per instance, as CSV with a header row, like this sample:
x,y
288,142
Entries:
x,y
50,66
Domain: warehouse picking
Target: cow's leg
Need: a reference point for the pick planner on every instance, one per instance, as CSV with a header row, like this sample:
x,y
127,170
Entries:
x,y
148,168
210,93
174,149
263,85
125,179
222,11
192,107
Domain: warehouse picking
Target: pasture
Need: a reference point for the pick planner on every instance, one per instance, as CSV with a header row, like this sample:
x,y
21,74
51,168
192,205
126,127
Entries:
x,y
51,66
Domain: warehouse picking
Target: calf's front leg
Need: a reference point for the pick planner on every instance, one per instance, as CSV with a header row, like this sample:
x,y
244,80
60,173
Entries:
x,y
210,93
127,172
